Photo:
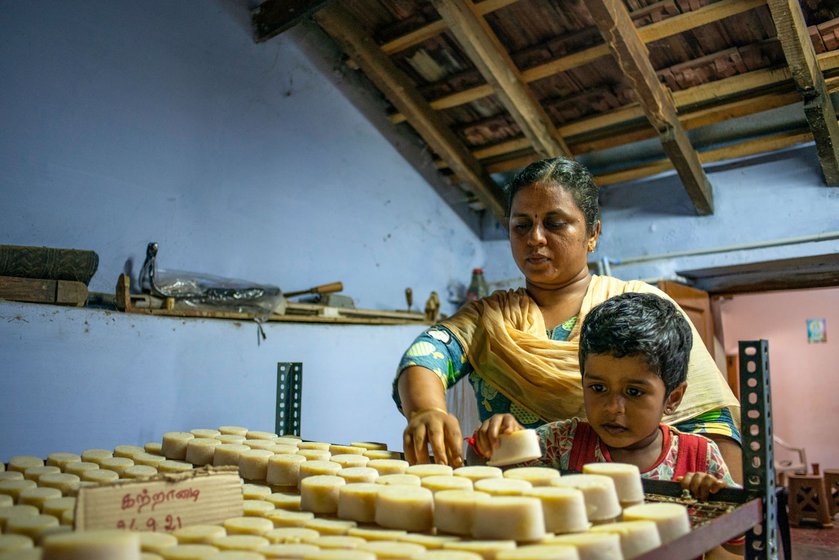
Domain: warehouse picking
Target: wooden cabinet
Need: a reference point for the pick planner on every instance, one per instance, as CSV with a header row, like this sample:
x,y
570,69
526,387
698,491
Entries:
x,y
697,305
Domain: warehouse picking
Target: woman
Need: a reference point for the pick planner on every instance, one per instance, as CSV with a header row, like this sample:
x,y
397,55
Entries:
x,y
519,347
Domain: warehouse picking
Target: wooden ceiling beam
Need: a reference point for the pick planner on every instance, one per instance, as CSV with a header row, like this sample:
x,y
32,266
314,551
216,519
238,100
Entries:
x,y
272,17
648,33
339,23
808,78
482,46
614,23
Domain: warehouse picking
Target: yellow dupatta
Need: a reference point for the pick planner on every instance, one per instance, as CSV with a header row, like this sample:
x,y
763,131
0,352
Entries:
x,y
505,339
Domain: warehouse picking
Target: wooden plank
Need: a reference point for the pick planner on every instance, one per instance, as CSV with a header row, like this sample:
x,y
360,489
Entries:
x,y
805,70
498,69
36,290
631,54
272,17
345,29
649,33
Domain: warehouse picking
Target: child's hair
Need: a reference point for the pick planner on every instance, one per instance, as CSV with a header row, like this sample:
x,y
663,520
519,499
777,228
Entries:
x,y
643,325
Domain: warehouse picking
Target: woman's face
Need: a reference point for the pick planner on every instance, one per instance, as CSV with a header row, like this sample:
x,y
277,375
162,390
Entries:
x,y
548,236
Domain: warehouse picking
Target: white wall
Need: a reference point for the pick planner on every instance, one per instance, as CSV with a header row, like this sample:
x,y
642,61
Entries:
x,y
128,122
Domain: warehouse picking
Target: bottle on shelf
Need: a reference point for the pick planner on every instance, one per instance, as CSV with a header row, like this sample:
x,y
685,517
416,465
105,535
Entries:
x,y
478,287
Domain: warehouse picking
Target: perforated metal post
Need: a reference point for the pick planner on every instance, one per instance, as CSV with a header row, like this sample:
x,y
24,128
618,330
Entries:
x,y
758,452
289,397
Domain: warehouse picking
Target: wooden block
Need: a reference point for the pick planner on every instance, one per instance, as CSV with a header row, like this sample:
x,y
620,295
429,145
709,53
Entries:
x,y
34,290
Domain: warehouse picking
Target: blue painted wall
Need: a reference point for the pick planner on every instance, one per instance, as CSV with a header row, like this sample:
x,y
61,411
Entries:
x,y
128,122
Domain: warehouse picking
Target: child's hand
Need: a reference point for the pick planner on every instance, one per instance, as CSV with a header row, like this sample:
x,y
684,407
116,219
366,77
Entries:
x,y
486,438
701,485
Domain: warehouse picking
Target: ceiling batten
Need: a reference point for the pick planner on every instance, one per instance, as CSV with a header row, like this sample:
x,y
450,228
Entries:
x,y
632,57
804,66
344,28
498,69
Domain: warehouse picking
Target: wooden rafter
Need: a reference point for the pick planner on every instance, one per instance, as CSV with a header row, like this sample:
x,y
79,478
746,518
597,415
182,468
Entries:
x,y
804,66
272,17
649,33
498,69
632,57
348,32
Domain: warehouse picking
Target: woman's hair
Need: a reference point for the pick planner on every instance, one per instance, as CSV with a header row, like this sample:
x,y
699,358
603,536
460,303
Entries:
x,y
643,325
566,173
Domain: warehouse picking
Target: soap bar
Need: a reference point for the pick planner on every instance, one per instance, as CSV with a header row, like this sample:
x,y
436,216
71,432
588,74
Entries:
x,y
399,480
540,552
170,466
430,470
358,474
332,542
605,546
346,450
92,545
503,486
201,433
370,445
285,518
11,543
31,526
239,542
58,506
476,473
127,451
256,508
247,525
261,435
486,549
155,542
34,473
319,493
289,550
405,507
430,542
516,447
96,455
117,464
174,445
139,471
377,534
383,454
637,537
229,438
349,461
517,518
153,447
9,512
393,549
20,463
253,464
340,554
283,500
188,552
627,479
13,488
438,483
454,510
564,508
314,454
255,491
357,502
68,484
602,505
100,476
38,496
61,459
233,430
150,459
199,534
227,454
80,467
330,526
537,476
290,535
388,466
671,519
317,468
200,450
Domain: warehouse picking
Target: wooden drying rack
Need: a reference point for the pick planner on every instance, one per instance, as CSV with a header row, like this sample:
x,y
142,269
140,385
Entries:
x,y
143,304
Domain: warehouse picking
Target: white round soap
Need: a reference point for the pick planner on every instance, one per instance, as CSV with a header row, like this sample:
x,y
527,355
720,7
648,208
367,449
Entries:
x,y
516,447
517,518
627,479
602,505
410,508
637,537
672,520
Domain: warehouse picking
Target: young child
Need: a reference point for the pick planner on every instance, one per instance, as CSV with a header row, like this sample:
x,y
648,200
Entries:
x,y
634,351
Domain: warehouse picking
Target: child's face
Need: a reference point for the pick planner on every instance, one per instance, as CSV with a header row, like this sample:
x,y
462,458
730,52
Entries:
x,y
624,400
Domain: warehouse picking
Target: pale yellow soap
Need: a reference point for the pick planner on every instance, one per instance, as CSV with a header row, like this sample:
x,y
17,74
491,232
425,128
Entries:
x,y
476,473
388,466
252,491
357,502
290,535
672,520
200,450
370,445
380,454
239,542
20,463
346,450
284,469
227,454
314,454
261,435
627,479
438,483
289,550
599,494
174,445
229,438
488,550
35,473
600,546
256,508
233,430
284,500
517,518
287,440
60,459
425,470
259,443
358,474
118,464
285,518
92,545
67,483
454,510
317,468
153,447
10,512
139,471
564,508
151,460
6,500
410,508
57,506
9,543
452,555
38,496
322,445
537,476
393,550
247,525
189,552
319,493
237,555
199,534
171,466
399,480
429,542
377,534
14,488
285,449
100,476
339,554
253,464
201,433
80,467
636,537
540,552
331,542
31,526
503,486
155,542
348,461
128,451
96,455
330,526
11,475
516,447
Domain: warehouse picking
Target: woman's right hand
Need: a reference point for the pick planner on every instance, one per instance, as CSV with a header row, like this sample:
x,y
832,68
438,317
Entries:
x,y
435,427
486,438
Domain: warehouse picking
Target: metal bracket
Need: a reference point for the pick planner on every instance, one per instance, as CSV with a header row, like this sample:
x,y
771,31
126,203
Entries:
x,y
758,452
289,398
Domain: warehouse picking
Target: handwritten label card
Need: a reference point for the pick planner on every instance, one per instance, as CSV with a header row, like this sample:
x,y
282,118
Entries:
x,y
162,503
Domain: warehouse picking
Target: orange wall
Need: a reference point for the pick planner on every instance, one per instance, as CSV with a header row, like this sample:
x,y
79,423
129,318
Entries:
x,y
804,377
